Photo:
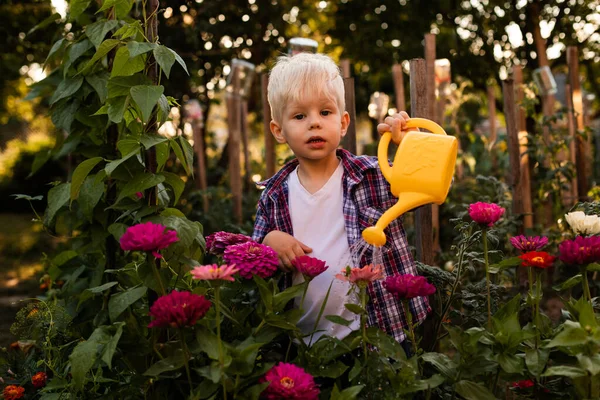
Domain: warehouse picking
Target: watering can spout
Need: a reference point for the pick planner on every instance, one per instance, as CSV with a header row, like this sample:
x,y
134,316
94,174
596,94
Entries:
x,y
421,174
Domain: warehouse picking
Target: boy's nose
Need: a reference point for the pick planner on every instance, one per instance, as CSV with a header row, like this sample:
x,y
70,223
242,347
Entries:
x,y
315,122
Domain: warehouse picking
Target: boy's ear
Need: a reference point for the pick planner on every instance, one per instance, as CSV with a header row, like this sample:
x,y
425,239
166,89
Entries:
x,y
345,123
277,132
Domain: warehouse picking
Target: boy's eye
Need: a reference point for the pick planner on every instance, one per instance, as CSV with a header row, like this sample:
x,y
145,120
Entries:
x,y
325,112
298,116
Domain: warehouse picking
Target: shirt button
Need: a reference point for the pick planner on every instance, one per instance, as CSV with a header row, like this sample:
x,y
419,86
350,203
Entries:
x,y
371,221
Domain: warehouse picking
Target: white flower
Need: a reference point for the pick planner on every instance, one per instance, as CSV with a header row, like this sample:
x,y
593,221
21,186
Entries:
x,y
583,224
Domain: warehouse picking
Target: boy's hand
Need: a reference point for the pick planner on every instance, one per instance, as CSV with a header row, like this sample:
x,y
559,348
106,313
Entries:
x,y
287,248
395,124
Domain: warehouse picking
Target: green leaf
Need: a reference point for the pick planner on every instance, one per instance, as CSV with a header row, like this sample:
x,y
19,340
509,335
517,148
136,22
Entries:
x,y
64,257
163,109
473,391
207,342
281,322
128,146
117,107
99,82
507,312
442,363
130,30
121,85
510,363
180,61
102,288
385,343
165,59
80,173
111,346
58,196
63,113
569,283
180,156
77,7
280,300
104,49
152,140
355,308
139,183
336,319
594,267
56,47
75,51
590,363
66,88
176,183
266,294
146,98
97,31
84,355
47,21
572,335
117,230
536,360
565,370
504,264
587,316
137,48
333,370
188,152
120,301
422,385
124,65
162,154
172,363
111,166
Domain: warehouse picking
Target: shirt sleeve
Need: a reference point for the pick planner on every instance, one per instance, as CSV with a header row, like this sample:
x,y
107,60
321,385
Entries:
x,y
262,225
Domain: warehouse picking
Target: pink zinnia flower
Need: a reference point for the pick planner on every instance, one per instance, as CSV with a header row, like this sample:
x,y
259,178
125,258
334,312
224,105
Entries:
x,y
252,258
485,213
219,241
309,267
580,251
528,243
214,272
288,381
408,286
178,309
361,276
148,237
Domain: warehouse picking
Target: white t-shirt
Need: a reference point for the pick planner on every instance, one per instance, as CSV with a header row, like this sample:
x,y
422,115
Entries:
x,y
318,222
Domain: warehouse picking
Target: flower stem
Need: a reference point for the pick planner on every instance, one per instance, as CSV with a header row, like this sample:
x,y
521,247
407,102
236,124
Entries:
x,y
155,269
186,356
363,322
304,293
584,283
411,328
487,278
219,344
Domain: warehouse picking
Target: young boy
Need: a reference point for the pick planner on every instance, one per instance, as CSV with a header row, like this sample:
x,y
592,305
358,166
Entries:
x,y
319,203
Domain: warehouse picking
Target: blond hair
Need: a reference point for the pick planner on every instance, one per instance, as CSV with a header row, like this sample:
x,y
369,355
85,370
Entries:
x,y
304,74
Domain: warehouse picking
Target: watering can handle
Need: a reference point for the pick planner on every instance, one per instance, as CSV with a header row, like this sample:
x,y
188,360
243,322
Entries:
x,y
384,142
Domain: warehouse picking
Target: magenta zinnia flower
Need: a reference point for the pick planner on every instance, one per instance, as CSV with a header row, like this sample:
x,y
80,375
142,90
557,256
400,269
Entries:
x,y
528,243
361,276
580,251
485,213
309,267
178,309
219,241
252,258
214,272
287,381
408,286
148,237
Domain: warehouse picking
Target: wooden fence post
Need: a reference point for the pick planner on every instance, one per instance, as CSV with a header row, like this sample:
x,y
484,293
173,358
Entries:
x,y
201,183
493,136
269,139
418,107
349,141
512,133
431,114
524,186
572,129
234,124
583,148
398,76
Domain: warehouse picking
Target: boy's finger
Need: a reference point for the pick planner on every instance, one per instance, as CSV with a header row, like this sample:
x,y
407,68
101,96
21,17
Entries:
x,y
383,128
404,115
305,248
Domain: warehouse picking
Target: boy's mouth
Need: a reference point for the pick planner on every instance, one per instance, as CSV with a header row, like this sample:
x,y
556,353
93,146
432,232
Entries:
x,y
315,139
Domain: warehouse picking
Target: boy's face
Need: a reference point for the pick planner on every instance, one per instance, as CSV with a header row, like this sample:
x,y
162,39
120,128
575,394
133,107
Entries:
x,y
313,127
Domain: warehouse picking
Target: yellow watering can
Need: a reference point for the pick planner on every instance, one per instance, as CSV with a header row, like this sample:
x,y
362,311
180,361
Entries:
x,y
421,174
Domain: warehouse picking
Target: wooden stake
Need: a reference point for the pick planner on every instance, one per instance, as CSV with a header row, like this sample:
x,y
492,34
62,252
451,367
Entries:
x,y
234,121
418,107
431,114
345,68
349,141
524,186
269,139
510,114
572,129
201,183
245,147
398,76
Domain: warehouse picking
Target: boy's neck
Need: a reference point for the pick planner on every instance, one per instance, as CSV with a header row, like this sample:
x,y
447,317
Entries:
x,y
314,174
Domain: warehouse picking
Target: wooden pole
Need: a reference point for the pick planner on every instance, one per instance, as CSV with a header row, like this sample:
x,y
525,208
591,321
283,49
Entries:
x,y
269,139
572,129
201,182
345,68
493,136
524,186
244,137
431,114
418,107
398,76
582,148
349,141
234,122
512,133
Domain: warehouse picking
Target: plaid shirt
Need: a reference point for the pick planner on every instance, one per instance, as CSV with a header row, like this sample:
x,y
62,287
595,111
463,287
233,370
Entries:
x,y
366,196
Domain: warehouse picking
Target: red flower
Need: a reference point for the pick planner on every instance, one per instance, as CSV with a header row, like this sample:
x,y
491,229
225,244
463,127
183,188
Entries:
x,y
408,286
148,237
537,259
178,309
13,392
39,380
309,267
524,384
361,276
580,251
288,381
486,214
252,258
219,241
